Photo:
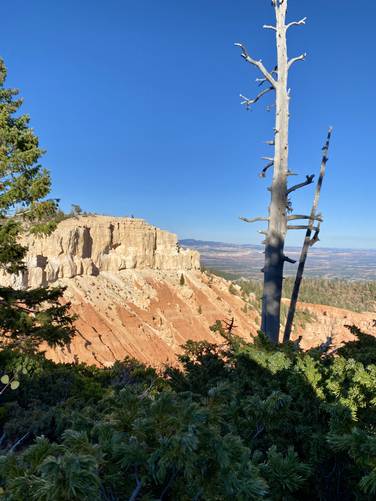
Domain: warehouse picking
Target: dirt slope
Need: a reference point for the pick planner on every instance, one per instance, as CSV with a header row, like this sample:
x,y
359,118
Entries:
x,y
148,315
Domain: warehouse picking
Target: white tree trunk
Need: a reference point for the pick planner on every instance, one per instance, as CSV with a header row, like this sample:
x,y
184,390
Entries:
x,y
279,204
275,238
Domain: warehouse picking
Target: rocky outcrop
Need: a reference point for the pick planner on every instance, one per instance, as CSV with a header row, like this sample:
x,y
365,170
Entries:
x,y
331,322
123,280
90,245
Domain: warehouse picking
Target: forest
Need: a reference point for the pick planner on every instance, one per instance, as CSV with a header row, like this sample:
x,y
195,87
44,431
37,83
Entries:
x,y
349,295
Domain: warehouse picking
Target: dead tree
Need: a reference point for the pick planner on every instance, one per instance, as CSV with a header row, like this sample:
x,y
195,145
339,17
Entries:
x,y
230,325
308,241
280,205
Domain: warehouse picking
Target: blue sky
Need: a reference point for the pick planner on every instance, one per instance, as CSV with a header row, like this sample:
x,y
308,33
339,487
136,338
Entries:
x,y
136,103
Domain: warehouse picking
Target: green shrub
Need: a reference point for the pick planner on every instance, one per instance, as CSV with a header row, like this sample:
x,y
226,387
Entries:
x,y
242,421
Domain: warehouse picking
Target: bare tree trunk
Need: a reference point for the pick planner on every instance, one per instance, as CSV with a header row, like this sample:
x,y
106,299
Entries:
x,y
308,242
280,204
275,238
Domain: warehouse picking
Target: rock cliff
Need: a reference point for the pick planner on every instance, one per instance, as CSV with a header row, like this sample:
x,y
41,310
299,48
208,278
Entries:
x,y
123,279
89,245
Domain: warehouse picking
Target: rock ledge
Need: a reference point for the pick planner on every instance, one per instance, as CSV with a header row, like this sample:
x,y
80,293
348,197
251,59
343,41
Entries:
x,y
89,245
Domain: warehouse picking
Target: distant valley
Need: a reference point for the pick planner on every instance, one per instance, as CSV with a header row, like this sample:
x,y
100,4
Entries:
x,y
247,260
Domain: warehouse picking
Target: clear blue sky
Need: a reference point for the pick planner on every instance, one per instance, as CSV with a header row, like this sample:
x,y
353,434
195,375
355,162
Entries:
x,y
137,105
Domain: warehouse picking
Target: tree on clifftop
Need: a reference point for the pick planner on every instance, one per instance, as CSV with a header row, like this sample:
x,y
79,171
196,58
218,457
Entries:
x,y
26,316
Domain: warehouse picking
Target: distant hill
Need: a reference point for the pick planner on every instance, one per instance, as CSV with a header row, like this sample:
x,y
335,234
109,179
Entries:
x,y
247,260
192,243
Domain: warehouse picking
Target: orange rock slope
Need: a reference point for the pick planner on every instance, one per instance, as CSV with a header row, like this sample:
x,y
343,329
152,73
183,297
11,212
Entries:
x,y
148,315
123,278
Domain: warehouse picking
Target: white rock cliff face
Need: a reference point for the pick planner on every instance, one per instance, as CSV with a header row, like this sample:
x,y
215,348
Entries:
x,y
89,245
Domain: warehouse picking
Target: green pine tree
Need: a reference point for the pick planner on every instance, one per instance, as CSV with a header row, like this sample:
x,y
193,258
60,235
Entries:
x,y
32,316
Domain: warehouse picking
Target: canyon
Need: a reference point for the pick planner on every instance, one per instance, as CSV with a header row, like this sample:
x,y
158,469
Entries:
x,y
137,293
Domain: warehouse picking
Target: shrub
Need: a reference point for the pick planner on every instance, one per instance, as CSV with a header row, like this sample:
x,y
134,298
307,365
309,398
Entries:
x,y
247,421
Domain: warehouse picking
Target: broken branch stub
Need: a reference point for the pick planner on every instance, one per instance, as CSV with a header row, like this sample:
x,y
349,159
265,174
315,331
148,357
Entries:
x,y
296,59
253,220
265,169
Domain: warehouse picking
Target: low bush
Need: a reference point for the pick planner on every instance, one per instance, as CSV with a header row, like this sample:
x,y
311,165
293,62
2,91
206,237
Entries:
x,y
239,421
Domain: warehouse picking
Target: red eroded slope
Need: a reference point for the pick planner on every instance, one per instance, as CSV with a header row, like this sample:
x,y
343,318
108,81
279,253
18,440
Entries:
x,y
148,315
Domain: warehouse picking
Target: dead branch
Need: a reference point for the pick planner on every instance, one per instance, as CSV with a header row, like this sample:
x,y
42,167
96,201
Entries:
x,y
253,220
248,102
271,142
296,59
261,81
258,64
296,23
259,430
315,237
300,227
309,180
289,260
19,441
269,27
230,325
293,217
263,172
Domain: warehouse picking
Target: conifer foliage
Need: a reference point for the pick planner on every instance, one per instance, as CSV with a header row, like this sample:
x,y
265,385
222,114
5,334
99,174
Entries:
x,y
237,421
25,316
